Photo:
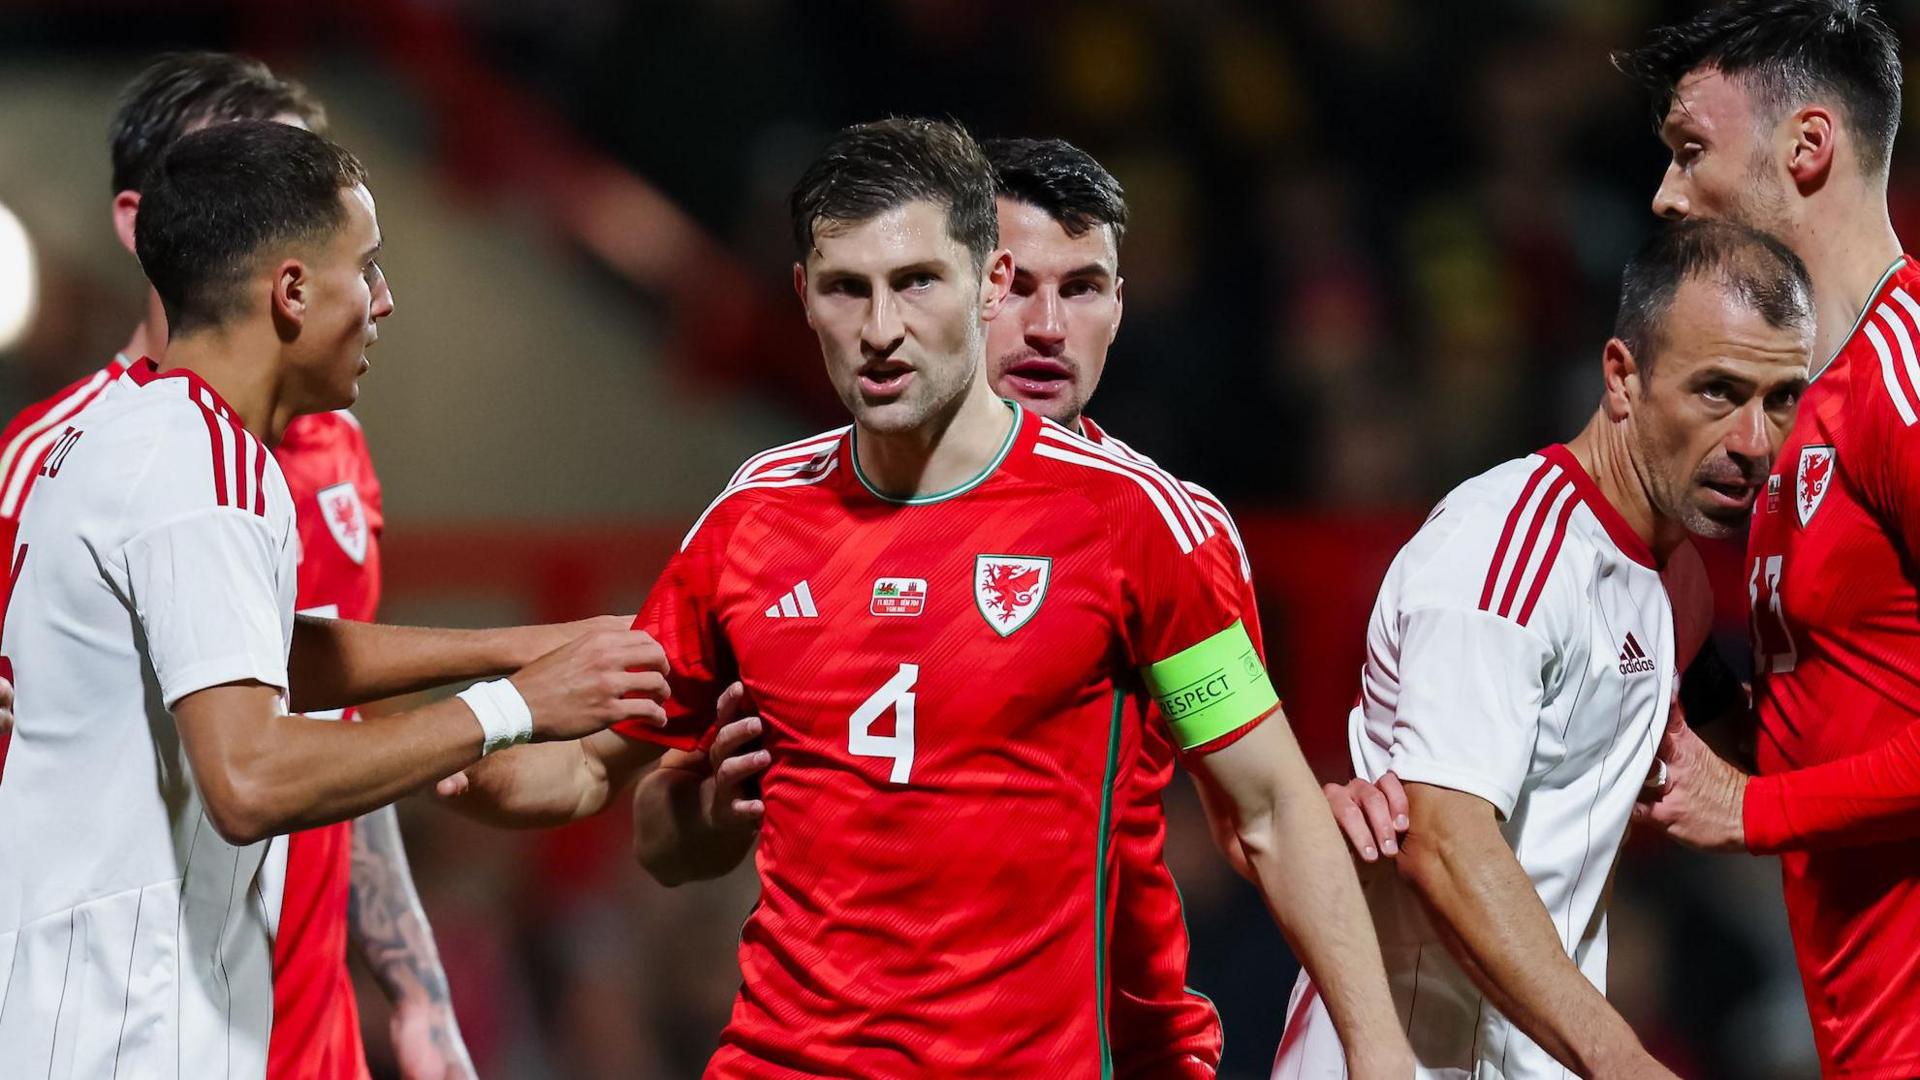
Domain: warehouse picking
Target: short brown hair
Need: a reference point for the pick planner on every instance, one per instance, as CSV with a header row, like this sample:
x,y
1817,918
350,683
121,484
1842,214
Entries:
x,y
183,90
869,169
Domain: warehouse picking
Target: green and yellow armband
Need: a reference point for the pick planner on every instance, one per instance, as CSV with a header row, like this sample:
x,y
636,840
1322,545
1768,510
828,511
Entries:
x,y
1213,688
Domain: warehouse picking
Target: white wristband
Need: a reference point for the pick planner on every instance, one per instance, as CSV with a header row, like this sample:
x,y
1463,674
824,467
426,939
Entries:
x,y
504,716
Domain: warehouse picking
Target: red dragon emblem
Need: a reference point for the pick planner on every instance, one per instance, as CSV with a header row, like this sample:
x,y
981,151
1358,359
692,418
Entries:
x,y
1810,483
1009,589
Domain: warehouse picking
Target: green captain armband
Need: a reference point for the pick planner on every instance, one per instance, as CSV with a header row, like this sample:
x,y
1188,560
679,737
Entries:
x,y
1213,688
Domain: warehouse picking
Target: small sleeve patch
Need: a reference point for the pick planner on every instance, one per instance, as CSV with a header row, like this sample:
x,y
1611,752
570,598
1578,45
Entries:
x,y
1212,688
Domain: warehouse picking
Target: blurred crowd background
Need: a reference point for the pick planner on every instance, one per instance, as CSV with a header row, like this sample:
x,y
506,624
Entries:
x,y
1374,250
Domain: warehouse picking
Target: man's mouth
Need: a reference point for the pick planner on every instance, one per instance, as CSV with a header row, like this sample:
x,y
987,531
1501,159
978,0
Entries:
x,y
1038,377
1733,493
885,378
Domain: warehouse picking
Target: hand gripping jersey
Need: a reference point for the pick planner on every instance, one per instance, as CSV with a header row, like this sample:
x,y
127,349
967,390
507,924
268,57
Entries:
x,y
1523,649
155,558
1160,1028
950,687
1836,630
316,1022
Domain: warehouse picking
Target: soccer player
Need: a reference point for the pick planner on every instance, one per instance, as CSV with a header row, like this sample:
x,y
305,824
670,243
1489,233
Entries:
x,y
941,614
348,881
1782,115
1062,216
149,621
1520,662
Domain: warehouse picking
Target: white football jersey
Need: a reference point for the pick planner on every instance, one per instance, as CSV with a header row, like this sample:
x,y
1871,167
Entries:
x,y
156,557
1523,649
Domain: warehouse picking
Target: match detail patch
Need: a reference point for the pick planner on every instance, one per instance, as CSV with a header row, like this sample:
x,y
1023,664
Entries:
x,y
1211,689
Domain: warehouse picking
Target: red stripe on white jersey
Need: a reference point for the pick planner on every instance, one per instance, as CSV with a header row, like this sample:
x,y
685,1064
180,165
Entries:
x,y
217,443
1546,562
20,458
1506,534
1526,566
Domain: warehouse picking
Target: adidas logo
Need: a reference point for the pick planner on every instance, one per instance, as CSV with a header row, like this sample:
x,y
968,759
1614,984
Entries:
x,y
796,604
1633,658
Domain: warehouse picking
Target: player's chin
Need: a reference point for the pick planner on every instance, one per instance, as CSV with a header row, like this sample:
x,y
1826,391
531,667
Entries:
x,y
888,416
1718,519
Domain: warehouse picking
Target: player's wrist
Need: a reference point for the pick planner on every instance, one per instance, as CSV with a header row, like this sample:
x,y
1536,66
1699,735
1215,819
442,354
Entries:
x,y
505,718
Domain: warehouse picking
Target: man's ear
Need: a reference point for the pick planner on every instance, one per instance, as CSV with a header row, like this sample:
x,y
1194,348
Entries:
x,y
292,295
1622,375
800,290
1810,157
126,206
997,281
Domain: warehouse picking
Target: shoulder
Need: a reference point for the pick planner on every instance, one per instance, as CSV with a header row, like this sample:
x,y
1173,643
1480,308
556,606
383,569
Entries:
x,y
1882,357
771,474
1120,484
183,450
1496,543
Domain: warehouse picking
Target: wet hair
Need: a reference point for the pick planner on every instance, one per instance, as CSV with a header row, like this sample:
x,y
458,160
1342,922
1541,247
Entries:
x,y
1756,268
222,197
1061,179
870,169
1787,53
184,90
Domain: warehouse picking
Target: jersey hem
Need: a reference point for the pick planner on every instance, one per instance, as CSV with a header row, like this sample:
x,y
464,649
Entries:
x,y
1214,746
1457,779
219,672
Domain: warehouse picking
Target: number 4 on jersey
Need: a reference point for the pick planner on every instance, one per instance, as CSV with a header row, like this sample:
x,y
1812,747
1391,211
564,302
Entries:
x,y
897,695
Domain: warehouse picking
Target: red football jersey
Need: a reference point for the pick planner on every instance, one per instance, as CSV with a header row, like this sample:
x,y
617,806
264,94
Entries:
x,y
951,690
1836,630
1160,1027
336,496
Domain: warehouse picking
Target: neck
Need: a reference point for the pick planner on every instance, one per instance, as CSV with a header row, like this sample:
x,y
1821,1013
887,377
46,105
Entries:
x,y
149,338
943,454
1601,449
229,359
1845,255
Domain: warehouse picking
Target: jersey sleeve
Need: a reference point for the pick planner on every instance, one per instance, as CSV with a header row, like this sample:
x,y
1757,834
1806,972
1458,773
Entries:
x,y
1472,674
1192,633
679,612
204,586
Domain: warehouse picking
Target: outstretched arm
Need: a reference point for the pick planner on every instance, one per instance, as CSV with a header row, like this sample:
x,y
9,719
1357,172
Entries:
x,y
1486,908
262,772
1278,819
389,928
693,819
340,663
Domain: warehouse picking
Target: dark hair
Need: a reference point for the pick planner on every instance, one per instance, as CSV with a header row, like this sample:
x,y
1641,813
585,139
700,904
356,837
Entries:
x,y
223,195
1787,52
184,90
1758,269
869,169
1060,178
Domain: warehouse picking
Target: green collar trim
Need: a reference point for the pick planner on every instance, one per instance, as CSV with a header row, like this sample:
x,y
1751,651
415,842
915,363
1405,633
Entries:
x,y
1013,433
1861,321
